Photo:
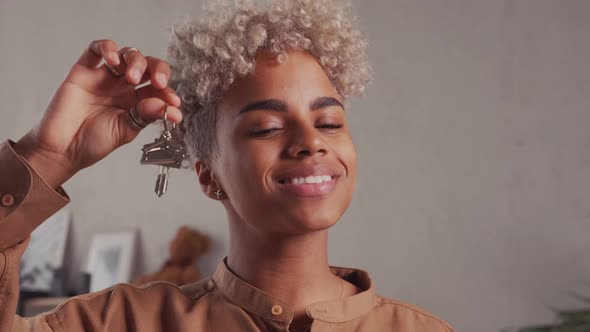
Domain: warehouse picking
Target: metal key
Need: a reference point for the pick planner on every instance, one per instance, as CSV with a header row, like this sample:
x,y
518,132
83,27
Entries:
x,y
166,153
162,181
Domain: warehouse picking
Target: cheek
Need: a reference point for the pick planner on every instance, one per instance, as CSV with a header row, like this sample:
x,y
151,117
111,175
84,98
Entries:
x,y
248,169
346,152
249,163
349,159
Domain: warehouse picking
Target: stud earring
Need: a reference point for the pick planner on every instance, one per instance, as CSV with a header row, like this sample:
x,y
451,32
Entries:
x,y
219,193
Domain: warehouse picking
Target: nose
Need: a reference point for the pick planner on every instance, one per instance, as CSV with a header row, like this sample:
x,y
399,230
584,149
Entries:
x,y
306,141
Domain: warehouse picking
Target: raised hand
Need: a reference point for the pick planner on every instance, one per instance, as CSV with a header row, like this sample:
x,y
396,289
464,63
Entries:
x,y
88,116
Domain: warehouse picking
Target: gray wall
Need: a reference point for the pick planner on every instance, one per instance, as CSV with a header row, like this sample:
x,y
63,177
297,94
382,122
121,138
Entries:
x,y
473,196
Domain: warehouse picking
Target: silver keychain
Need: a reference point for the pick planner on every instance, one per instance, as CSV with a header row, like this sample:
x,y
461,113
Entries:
x,y
164,152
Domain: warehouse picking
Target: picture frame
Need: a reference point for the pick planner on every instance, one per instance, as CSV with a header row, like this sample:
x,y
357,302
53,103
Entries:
x,y
42,268
110,259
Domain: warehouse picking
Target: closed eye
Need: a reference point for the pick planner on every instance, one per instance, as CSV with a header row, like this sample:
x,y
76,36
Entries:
x,y
271,130
265,131
331,125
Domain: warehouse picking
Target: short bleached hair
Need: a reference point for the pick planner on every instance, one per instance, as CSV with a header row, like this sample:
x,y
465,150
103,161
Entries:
x,y
206,56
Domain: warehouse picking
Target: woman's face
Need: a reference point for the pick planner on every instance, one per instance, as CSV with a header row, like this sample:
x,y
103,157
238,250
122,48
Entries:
x,y
279,130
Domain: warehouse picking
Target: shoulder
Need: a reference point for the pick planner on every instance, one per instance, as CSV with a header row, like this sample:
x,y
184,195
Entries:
x,y
198,289
410,317
153,291
126,302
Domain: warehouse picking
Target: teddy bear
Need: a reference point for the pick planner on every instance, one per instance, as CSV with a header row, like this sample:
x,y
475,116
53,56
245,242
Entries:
x,y
186,247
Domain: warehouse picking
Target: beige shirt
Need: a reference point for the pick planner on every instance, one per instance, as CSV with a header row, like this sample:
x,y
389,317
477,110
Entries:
x,y
221,302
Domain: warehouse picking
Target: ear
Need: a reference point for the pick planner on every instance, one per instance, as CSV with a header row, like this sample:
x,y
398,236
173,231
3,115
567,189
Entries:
x,y
208,183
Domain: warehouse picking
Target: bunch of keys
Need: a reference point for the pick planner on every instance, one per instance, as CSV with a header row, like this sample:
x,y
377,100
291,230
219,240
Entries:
x,y
164,152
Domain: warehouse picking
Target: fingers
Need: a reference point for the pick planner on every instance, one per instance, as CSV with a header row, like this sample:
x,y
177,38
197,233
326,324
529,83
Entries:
x,y
152,103
135,68
127,62
135,64
97,50
150,68
167,95
159,72
140,68
149,110
152,109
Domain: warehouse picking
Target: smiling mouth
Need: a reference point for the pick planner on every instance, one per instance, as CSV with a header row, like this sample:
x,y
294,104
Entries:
x,y
317,179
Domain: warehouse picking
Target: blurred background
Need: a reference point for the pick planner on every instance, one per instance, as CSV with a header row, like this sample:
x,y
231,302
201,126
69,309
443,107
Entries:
x,y
473,194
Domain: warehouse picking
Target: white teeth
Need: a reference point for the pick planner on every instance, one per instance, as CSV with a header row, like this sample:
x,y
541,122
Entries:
x,y
310,179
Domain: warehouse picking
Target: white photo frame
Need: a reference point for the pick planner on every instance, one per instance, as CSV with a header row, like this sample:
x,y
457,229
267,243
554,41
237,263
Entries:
x,y
110,259
43,261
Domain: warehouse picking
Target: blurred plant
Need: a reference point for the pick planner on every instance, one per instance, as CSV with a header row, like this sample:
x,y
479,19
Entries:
x,y
567,320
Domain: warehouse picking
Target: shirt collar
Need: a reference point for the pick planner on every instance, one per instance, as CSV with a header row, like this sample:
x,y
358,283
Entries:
x,y
267,306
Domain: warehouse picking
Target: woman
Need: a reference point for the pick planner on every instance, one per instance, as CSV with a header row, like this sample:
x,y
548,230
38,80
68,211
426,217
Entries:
x,y
259,94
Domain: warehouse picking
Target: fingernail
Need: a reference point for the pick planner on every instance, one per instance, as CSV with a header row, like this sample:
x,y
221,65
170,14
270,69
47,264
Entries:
x,y
161,78
114,57
180,117
135,74
177,99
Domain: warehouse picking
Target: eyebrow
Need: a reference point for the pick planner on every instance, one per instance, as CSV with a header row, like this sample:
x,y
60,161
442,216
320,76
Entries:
x,y
281,106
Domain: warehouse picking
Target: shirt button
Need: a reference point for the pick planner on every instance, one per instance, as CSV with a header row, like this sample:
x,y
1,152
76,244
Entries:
x,y
277,310
7,200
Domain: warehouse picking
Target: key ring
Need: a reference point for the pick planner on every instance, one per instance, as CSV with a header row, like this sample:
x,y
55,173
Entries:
x,y
167,132
166,119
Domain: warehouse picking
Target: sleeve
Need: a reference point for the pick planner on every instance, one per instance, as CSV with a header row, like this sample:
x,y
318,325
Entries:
x,y
26,200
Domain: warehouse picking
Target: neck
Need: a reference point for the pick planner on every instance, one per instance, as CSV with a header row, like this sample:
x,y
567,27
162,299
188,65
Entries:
x,y
292,268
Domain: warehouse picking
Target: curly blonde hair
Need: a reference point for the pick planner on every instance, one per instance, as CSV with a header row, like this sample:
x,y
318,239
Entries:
x,y
206,56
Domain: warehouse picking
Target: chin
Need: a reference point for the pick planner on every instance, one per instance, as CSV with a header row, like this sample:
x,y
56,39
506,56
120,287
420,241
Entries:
x,y
311,214
312,219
